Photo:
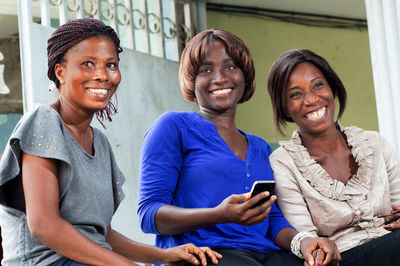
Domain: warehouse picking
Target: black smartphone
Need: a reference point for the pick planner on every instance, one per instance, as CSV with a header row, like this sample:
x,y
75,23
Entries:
x,y
261,186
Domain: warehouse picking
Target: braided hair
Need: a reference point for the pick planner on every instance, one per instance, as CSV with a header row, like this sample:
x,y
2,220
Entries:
x,y
69,35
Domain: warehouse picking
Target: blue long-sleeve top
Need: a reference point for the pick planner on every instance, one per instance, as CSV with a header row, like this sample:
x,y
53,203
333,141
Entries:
x,y
186,163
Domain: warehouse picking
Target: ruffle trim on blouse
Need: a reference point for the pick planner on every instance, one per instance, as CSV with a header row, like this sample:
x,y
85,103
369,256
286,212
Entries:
x,y
357,187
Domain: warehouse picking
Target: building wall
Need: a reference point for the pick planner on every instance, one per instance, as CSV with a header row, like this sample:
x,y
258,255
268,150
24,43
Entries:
x,y
346,50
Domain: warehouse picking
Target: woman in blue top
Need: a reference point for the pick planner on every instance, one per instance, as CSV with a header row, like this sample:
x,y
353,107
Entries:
x,y
197,169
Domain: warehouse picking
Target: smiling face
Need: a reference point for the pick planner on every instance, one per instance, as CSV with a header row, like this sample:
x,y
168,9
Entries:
x,y
219,84
89,74
309,100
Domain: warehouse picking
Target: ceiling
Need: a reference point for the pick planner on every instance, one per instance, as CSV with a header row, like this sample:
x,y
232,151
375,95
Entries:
x,y
8,18
340,8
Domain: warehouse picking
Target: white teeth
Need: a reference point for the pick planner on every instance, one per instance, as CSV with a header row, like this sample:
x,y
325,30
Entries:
x,y
317,114
98,91
218,92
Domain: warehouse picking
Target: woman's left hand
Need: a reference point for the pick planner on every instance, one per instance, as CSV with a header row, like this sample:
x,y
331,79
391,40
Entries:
x,y
319,251
190,253
393,226
393,219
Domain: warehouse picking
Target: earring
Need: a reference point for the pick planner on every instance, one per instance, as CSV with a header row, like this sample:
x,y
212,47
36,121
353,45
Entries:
x,y
62,82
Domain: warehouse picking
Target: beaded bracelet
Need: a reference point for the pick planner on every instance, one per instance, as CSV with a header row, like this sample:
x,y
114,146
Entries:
x,y
295,243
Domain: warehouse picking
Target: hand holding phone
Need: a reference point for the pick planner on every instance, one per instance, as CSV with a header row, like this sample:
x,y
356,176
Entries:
x,y
262,186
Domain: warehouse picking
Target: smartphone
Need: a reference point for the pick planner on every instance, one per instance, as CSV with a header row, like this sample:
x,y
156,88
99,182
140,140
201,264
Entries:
x,y
261,186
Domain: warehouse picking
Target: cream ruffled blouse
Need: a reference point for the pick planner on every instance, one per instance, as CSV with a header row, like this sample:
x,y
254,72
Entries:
x,y
347,213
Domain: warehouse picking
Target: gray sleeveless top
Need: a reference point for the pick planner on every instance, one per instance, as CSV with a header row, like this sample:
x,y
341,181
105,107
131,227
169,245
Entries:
x,y
90,187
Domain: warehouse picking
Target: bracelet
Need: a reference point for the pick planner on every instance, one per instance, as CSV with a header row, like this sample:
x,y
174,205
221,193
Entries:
x,y
295,243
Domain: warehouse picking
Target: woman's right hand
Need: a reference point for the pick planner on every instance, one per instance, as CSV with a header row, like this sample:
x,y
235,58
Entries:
x,y
319,251
190,253
241,209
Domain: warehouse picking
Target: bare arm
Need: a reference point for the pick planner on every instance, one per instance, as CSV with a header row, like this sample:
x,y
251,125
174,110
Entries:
x,y
173,220
284,237
40,184
144,253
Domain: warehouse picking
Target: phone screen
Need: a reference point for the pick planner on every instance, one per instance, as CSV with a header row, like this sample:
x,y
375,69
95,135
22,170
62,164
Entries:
x,y
261,186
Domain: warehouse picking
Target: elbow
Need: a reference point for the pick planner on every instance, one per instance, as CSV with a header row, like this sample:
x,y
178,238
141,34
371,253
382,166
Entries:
x,y
144,222
146,225
41,228
142,226
35,226
146,218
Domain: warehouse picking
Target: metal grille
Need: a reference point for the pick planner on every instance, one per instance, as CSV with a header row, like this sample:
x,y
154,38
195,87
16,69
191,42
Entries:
x,y
157,27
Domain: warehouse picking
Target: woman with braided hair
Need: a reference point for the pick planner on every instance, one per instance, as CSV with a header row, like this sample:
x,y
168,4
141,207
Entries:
x,y
59,181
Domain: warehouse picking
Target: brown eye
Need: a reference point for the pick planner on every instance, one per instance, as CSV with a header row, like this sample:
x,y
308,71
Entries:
x,y
319,84
112,65
205,70
295,95
88,64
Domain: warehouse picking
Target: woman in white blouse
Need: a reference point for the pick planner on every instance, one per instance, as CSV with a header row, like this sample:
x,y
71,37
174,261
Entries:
x,y
333,181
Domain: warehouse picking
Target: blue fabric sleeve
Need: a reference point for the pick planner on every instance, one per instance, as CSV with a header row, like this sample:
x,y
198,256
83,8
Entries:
x,y
161,162
276,219
269,151
276,222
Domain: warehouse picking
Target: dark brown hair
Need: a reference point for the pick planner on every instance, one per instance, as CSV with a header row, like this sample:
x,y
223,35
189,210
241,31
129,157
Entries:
x,y
279,75
194,53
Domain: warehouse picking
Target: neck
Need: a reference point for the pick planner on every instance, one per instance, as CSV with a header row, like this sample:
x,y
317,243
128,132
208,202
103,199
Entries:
x,y
224,120
326,142
75,119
